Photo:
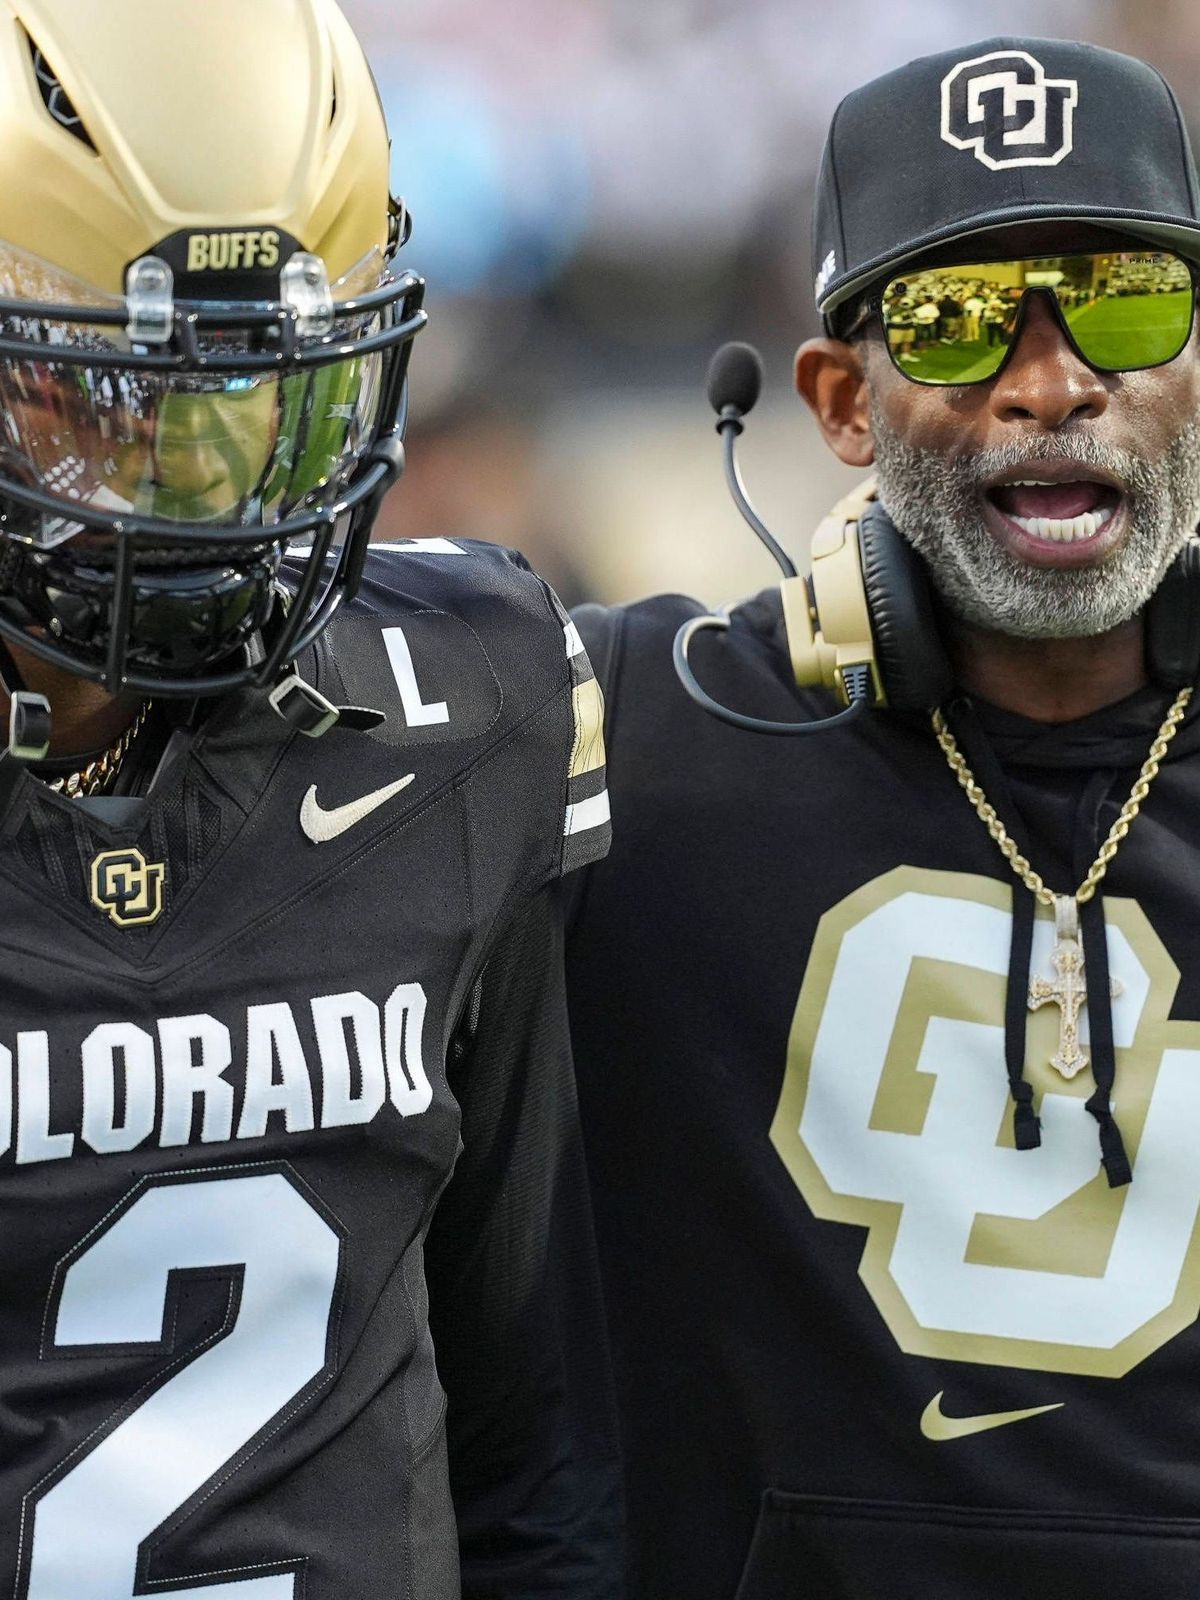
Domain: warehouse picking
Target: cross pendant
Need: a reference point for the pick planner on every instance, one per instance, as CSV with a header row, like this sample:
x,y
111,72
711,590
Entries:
x,y
1068,988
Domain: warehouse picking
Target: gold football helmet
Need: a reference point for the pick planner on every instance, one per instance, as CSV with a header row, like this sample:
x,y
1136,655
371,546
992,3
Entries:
x,y
203,340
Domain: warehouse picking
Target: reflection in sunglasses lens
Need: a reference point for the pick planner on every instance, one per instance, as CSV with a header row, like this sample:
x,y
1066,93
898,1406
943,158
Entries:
x,y
1123,310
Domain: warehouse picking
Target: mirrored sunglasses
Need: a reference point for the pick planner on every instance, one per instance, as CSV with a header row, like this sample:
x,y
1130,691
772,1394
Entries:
x,y
1121,311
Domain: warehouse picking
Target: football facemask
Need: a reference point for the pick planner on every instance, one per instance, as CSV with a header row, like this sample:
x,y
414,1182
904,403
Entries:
x,y
158,456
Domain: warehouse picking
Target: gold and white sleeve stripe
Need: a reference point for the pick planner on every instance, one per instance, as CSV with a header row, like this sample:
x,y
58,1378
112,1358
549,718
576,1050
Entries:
x,y
586,827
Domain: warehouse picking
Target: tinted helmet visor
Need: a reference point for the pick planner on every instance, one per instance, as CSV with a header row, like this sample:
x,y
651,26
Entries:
x,y
152,490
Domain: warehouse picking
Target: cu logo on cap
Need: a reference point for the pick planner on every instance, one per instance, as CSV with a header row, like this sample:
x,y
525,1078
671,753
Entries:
x,y
1005,109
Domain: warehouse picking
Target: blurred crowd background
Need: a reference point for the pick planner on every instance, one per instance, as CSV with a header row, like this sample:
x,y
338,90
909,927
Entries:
x,y
605,190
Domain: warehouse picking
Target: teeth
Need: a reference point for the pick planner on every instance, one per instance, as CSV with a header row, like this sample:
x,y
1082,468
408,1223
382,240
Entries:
x,y
1065,530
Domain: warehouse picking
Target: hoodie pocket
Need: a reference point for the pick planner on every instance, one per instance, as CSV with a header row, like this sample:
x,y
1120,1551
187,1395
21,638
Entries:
x,y
815,1547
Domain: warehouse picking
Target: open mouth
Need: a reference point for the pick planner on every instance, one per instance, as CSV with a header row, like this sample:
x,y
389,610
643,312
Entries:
x,y
1056,514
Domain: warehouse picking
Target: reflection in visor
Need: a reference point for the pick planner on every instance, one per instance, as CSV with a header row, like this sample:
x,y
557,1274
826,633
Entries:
x,y
155,486
245,450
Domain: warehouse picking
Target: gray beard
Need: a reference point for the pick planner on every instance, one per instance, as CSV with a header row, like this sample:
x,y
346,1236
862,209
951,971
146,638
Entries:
x,y
935,502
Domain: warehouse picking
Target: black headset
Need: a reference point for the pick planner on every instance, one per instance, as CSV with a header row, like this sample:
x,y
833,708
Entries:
x,y
865,622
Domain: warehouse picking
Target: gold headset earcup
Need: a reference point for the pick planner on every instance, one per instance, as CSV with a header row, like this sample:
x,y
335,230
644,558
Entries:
x,y
869,605
1172,622
909,652
825,616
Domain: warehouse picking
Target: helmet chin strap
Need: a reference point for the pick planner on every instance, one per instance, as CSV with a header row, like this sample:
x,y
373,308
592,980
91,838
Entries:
x,y
301,705
28,714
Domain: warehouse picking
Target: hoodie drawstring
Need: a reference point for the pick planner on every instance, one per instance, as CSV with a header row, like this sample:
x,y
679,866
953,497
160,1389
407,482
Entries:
x,y
1094,939
1027,1125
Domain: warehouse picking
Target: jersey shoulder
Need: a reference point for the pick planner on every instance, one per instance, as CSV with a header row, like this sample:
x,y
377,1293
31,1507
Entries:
x,y
479,653
490,590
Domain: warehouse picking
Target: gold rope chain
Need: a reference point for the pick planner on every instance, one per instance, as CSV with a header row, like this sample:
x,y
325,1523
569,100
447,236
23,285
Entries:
x,y
987,814
92,779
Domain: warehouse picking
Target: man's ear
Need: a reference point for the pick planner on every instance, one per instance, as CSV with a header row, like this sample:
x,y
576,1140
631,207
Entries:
x,y
830,376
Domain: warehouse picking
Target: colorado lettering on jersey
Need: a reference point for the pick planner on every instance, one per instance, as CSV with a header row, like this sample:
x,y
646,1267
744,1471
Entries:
x,y
173,1085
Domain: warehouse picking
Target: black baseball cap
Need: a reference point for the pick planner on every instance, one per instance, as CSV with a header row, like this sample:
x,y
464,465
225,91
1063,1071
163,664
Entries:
x,y
1005,131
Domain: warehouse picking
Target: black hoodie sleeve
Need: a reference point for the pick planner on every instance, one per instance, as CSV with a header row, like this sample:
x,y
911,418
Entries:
x,y
514,1297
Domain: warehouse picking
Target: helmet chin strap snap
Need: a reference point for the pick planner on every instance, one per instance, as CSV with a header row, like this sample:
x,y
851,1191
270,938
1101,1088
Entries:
x,y
28,726
28,714
302,707
308,711
28,740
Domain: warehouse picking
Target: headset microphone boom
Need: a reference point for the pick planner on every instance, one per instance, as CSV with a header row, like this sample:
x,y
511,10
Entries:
x,y
734,384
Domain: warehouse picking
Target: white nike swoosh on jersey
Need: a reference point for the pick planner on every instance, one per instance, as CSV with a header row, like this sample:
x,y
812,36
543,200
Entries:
x,y
936,1425
321,826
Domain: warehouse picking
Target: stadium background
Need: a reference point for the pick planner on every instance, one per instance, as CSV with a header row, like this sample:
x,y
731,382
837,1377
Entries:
x,y
603,191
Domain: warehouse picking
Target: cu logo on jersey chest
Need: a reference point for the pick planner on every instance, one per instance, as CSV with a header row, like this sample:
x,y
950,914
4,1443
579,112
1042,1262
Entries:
x,y
1005,109
127,887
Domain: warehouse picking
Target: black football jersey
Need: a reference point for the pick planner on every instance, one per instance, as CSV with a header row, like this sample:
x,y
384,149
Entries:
x,y
867,1348
246,1026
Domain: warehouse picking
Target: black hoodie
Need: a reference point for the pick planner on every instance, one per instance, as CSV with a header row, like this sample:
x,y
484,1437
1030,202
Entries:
x,y
866,1347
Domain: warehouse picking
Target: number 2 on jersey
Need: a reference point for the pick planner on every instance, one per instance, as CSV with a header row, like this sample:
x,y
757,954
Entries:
x,y
82,1536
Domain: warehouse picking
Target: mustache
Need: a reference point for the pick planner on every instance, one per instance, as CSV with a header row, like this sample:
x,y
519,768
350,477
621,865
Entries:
x,y
981,467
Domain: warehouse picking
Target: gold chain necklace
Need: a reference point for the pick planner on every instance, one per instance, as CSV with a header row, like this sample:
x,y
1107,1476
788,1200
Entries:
x,y
103,770
1068,989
